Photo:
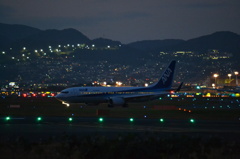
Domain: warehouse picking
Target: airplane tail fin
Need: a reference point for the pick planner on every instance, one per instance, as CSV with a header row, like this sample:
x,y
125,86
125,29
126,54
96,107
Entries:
x,y
167,77
179,87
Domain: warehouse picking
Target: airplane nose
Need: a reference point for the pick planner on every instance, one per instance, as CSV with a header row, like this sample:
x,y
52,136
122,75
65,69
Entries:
x,y
59,96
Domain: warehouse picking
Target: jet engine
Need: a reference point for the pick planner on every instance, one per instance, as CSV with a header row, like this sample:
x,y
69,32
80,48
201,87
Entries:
x,y
117,101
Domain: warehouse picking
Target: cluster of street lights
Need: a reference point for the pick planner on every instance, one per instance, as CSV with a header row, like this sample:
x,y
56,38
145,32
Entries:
x,y
229,75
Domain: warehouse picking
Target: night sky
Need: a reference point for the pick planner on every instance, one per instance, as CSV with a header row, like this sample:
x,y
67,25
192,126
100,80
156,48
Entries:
x,y
127,20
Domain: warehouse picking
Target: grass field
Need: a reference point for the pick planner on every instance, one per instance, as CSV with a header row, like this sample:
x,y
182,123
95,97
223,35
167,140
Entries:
x,y
52,107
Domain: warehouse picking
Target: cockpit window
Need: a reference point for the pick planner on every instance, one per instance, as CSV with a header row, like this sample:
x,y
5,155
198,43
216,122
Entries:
x,y
66,92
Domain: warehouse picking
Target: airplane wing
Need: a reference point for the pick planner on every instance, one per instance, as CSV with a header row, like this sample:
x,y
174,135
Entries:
x,y
154,94
223,90
142,97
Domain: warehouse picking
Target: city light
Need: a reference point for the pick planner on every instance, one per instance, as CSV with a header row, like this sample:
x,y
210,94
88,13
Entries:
x,y
70,119
161,120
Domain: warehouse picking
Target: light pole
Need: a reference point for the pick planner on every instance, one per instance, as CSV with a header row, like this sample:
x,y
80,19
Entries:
x,y
236,73
215,76
229,75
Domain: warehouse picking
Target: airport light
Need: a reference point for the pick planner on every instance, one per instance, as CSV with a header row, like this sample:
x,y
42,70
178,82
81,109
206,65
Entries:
x,y
192,121
118,83
161,120
100,120
39,118
215,76
229,75
236,73
213,85
70,119
131,120
8,118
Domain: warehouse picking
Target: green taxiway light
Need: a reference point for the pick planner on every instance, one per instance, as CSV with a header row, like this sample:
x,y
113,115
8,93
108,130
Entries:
x,y
100,119
7,118
161,120
192,121
131,119
39,118
70,119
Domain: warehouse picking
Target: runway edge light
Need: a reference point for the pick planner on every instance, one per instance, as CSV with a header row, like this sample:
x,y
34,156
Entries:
x,y
100,119
131,120
192,121
8,118
39,118
161,120
70,119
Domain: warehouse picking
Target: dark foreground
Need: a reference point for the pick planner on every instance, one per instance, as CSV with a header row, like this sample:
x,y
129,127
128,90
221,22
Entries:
x,y
56,137
215,133
131,145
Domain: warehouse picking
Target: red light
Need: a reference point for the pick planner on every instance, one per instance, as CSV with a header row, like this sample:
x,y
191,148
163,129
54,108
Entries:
x,y
34,95
172,92
43,95
52,94
24,95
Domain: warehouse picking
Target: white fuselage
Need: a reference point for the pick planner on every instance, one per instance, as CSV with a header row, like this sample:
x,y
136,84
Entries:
x,y
119,95
103,94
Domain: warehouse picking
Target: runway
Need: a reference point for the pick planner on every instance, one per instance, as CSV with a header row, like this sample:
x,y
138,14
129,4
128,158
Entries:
x,y
32,129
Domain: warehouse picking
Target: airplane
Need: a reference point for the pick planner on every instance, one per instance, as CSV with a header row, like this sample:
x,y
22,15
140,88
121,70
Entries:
x,y
120,96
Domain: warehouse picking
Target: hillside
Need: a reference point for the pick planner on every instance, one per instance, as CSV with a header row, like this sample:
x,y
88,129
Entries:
x,y
17,36
224,41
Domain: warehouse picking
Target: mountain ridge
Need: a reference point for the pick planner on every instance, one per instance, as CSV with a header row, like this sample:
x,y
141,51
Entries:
x,y
15,35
